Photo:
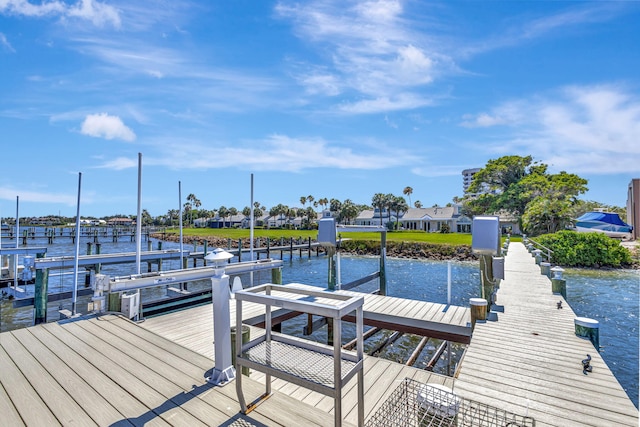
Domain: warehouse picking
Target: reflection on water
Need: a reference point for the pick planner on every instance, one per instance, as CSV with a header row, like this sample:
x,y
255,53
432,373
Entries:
x,y
608,296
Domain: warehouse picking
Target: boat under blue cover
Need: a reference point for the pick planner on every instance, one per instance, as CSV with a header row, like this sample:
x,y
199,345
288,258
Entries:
x,y
608,223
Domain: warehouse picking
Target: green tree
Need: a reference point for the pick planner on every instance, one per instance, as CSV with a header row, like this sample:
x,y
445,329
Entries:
x,y
417,204
223,213
335,205
379,201
512,184
408,191
349,211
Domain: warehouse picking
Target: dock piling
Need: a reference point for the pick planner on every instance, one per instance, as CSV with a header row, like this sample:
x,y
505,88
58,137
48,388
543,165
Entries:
x,y
478,310
588,328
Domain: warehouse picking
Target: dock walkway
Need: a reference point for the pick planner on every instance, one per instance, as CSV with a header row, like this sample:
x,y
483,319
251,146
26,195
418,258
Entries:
x,y
528,360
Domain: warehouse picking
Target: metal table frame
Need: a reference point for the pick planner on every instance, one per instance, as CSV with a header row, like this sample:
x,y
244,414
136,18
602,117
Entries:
x,y
311,365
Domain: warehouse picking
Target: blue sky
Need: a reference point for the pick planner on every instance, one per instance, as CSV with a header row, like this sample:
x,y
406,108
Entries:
x,y
332,99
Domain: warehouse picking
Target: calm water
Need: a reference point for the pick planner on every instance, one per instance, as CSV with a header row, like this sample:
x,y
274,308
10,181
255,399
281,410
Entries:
x,y
612,297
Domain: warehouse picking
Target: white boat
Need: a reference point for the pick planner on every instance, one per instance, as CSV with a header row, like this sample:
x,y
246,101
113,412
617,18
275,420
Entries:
x,y
608,223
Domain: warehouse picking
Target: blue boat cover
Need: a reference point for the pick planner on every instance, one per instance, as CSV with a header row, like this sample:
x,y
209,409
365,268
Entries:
x,y
608,217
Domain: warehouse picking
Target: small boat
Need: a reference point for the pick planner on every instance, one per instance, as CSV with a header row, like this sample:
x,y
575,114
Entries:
x,y
608,223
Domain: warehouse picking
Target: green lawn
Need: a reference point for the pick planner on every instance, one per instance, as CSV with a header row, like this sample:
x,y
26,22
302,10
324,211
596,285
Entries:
x,y
408,236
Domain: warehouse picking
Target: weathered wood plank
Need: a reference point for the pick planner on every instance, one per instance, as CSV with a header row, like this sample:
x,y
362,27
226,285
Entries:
x,y
32,410
10,415
529,360
73,385
144,390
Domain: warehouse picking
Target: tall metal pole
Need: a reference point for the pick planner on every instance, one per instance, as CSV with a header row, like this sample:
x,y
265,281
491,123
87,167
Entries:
x,y
448,282
139,217
251,232
180,222
15,264
139,231
77,252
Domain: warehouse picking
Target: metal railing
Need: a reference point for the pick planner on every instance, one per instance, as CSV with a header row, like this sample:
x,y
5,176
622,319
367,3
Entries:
x,y
542,247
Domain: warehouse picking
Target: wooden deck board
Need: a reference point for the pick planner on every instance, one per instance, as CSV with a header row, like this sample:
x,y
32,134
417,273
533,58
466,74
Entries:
x,y
20,392
73,385
119,373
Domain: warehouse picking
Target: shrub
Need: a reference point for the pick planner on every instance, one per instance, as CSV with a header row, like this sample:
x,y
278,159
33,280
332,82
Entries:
x,y
572,249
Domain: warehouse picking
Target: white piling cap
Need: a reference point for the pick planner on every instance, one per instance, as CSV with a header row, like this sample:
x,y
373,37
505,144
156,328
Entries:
x,y
477,301
218,256
586,322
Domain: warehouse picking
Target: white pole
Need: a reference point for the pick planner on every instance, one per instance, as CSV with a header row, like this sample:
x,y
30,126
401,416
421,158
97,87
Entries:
x,y
139,217
448,282
75,258
15,264
180,222
139,231
251,232
338,271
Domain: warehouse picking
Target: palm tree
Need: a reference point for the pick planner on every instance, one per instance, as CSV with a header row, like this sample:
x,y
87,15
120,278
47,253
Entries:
x,y
303,201
379,201
193,202
399,206
349,211
232,212
417,204
408,191
223,212
187,209
389,199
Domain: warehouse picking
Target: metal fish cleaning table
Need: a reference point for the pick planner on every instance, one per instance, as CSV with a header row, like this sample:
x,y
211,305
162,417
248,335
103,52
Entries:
x,y
312,365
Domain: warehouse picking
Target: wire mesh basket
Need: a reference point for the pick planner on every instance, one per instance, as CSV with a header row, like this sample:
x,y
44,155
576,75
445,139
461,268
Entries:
x,y
430,405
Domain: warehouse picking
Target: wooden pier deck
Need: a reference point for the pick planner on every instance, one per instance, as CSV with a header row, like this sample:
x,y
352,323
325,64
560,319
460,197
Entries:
x,y
193,328
109,371
528,360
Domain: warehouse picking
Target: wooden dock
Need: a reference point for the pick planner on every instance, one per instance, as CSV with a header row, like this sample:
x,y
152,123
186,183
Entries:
x,y
110,371
192,328
528,358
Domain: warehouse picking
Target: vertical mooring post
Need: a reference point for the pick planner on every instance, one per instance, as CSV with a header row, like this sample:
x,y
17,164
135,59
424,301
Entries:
x,y
486,278
331,258
276,276
588,328
545,269
478,310
41,294
383,262
558,283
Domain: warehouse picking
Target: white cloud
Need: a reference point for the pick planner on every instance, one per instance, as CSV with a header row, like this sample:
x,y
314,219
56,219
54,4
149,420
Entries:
x,y
4,43
582,129
120,163
372,51
9,193
402,101
100,14
280,153
105,126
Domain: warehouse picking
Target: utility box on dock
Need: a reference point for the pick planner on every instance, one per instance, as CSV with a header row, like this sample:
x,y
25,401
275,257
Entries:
x,y
327,229
130,305
485,235
498,267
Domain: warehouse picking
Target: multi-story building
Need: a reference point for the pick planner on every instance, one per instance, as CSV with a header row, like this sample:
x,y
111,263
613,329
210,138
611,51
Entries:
x,y
467,178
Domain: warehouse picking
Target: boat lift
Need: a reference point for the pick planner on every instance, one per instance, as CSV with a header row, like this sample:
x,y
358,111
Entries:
x,y
223,371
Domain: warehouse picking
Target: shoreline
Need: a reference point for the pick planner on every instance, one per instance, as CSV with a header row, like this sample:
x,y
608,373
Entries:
x,y
395,249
